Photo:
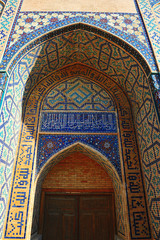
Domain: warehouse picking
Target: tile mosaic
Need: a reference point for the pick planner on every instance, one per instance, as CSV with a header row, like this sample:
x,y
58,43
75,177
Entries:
x,y
102,18
156,9
31,21
73,95
86,96
30,25
3,80
6,22
154,2
127,72
105,144
151,20
129,23
97,122
28,142
137,89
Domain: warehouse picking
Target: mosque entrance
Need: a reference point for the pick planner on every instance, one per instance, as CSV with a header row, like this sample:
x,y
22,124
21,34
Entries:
x,y
77,201
83,217
78,153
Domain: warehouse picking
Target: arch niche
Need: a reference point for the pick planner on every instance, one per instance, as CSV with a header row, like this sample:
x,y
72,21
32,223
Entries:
x,y
85,105
119,191
67,55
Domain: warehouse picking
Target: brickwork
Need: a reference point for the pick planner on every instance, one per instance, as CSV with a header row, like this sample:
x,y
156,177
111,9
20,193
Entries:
x,y
78,172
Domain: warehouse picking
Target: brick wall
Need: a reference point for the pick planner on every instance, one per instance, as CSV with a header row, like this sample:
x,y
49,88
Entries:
x,y
77,172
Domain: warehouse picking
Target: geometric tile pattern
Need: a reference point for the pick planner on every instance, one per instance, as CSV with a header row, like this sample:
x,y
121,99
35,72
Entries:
x,y
151,15
105,144
154,3
120,28
68,52
78,94
155,87
146,117
85,47
25,160
31,25
11,9
3,80
6,22
28,22
156,8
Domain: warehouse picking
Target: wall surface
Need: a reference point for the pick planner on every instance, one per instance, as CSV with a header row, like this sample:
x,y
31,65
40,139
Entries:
x,y
76,173
80,5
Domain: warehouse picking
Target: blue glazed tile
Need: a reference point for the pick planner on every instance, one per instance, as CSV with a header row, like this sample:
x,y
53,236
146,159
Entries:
x,y
106,144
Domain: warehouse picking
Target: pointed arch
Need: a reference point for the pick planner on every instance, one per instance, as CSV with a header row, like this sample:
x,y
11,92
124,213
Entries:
x,y
119,188
85,149
124,70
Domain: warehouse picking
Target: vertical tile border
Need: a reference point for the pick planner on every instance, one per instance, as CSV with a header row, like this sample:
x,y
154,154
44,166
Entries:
x,y
152,27
6,22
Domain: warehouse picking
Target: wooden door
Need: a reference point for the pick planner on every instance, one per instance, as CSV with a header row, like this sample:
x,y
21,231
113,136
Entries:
x,y
96,218
79,217
60,218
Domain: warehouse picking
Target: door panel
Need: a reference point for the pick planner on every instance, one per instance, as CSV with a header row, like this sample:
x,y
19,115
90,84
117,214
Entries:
x,y
102,229
96,215
69,228
60,218
86,226
53,231
78,218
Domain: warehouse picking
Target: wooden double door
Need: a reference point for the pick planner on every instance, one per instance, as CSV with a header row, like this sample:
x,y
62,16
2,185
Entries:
x,y
69,217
